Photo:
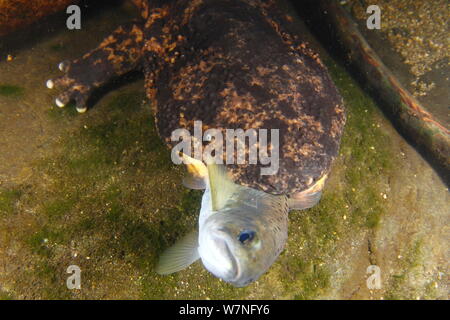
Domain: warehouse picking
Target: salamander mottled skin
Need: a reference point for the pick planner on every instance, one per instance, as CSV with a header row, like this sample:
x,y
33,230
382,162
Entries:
x,y
231,64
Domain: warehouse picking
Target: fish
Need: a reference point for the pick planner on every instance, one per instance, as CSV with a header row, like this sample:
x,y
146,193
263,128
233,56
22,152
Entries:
x,y
241,231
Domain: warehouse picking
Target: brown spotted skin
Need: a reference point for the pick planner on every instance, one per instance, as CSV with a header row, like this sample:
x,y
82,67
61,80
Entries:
x,y
118,54
232,64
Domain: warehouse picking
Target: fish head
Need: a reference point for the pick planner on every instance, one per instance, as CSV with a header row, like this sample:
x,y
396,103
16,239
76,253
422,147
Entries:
x,y
241,231
239,244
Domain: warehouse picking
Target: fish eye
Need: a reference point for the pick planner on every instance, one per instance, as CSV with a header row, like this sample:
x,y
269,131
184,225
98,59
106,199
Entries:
x,y
246,236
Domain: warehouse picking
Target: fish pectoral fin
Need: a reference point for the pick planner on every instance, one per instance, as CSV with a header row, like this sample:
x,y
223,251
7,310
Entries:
x,y
178,257
304,200
308,198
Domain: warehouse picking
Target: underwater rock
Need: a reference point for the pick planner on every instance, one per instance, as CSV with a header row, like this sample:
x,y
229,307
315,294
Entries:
x,y
420,126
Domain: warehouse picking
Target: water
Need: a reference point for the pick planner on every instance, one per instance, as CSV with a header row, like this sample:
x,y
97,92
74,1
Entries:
x,y
98,190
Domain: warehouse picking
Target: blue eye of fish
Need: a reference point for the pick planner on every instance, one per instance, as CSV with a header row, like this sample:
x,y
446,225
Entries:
x,y
246,236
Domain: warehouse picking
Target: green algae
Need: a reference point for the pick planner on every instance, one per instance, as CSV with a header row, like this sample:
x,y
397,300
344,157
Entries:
x,y
57,47
66,114
8,200
58,207
365,151
11,91
5,296
399,287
